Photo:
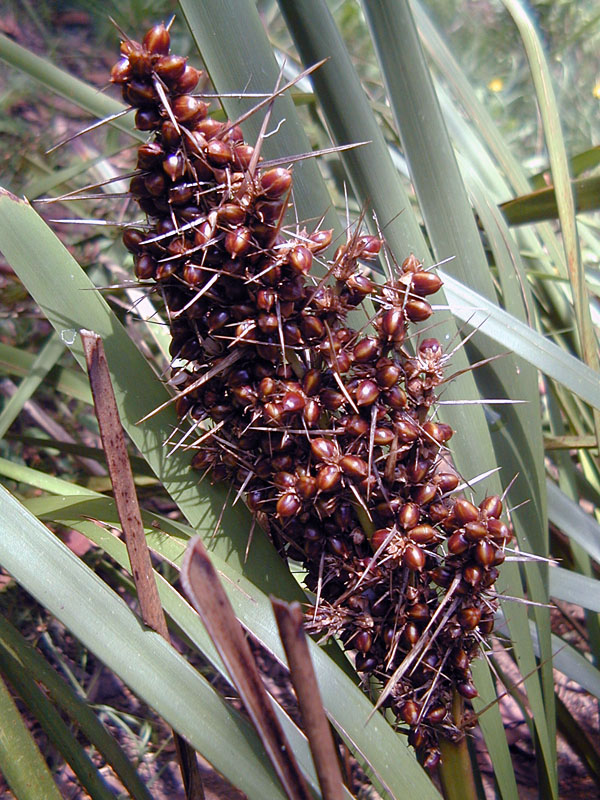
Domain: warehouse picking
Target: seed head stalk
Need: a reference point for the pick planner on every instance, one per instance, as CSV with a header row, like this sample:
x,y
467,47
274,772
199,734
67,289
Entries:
x,y
456,769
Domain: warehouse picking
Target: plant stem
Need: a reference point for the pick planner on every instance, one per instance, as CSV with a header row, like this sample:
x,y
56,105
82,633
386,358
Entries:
x,y
456,770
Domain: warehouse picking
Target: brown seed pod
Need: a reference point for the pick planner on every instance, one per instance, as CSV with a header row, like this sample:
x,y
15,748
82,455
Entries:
x,y
319,240
324,426
300,259
408,515
328,478
218,153
188,109
363,641
484,553
458,543
431,759
276,182
170,68
498,530
424,494
366,350
423,534
392,323
188,81
413,557
418,310
411,634
409,711
468,690
157,41
475,531
469,617
238,241
437,714
465,511
353,467
491,506
425,283
379,537
288,505
419,612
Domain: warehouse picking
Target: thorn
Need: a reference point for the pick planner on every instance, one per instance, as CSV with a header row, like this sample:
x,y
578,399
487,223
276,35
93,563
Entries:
x,y
223,364
89,128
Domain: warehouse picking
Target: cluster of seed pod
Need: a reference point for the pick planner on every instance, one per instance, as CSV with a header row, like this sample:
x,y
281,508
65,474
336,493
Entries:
x,y
328,431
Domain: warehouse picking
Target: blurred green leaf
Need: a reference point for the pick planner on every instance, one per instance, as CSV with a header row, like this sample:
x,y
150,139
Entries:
x,y
14,361
35,667
572,520
54,726
541,204
518,338
46,359
21,762
575,588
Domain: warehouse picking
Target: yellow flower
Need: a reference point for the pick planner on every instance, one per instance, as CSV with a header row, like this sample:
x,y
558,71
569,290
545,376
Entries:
x,y
596,91
496,85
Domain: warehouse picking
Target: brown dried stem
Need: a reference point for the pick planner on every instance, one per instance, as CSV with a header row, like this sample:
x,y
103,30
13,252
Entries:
x,y
113,440
205,592
290,621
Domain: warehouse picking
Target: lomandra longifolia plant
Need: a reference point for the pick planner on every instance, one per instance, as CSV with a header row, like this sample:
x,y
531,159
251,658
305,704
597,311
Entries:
x,y
329,432
341,441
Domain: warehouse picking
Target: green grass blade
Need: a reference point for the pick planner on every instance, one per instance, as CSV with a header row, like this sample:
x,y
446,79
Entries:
x,y
578,740
585,161
572,587
560,178
491,135
47,358
13,644
15,361
350,118
57,80
565,658
574,665
542,205
152,668
519,338
492,727
572,520
47,483
139,465
54,726
21,762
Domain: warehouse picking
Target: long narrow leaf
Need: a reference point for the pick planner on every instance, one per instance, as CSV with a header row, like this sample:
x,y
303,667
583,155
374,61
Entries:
x,y
517,337
79,711
21,762
573,521
575,588
54,726
47,569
